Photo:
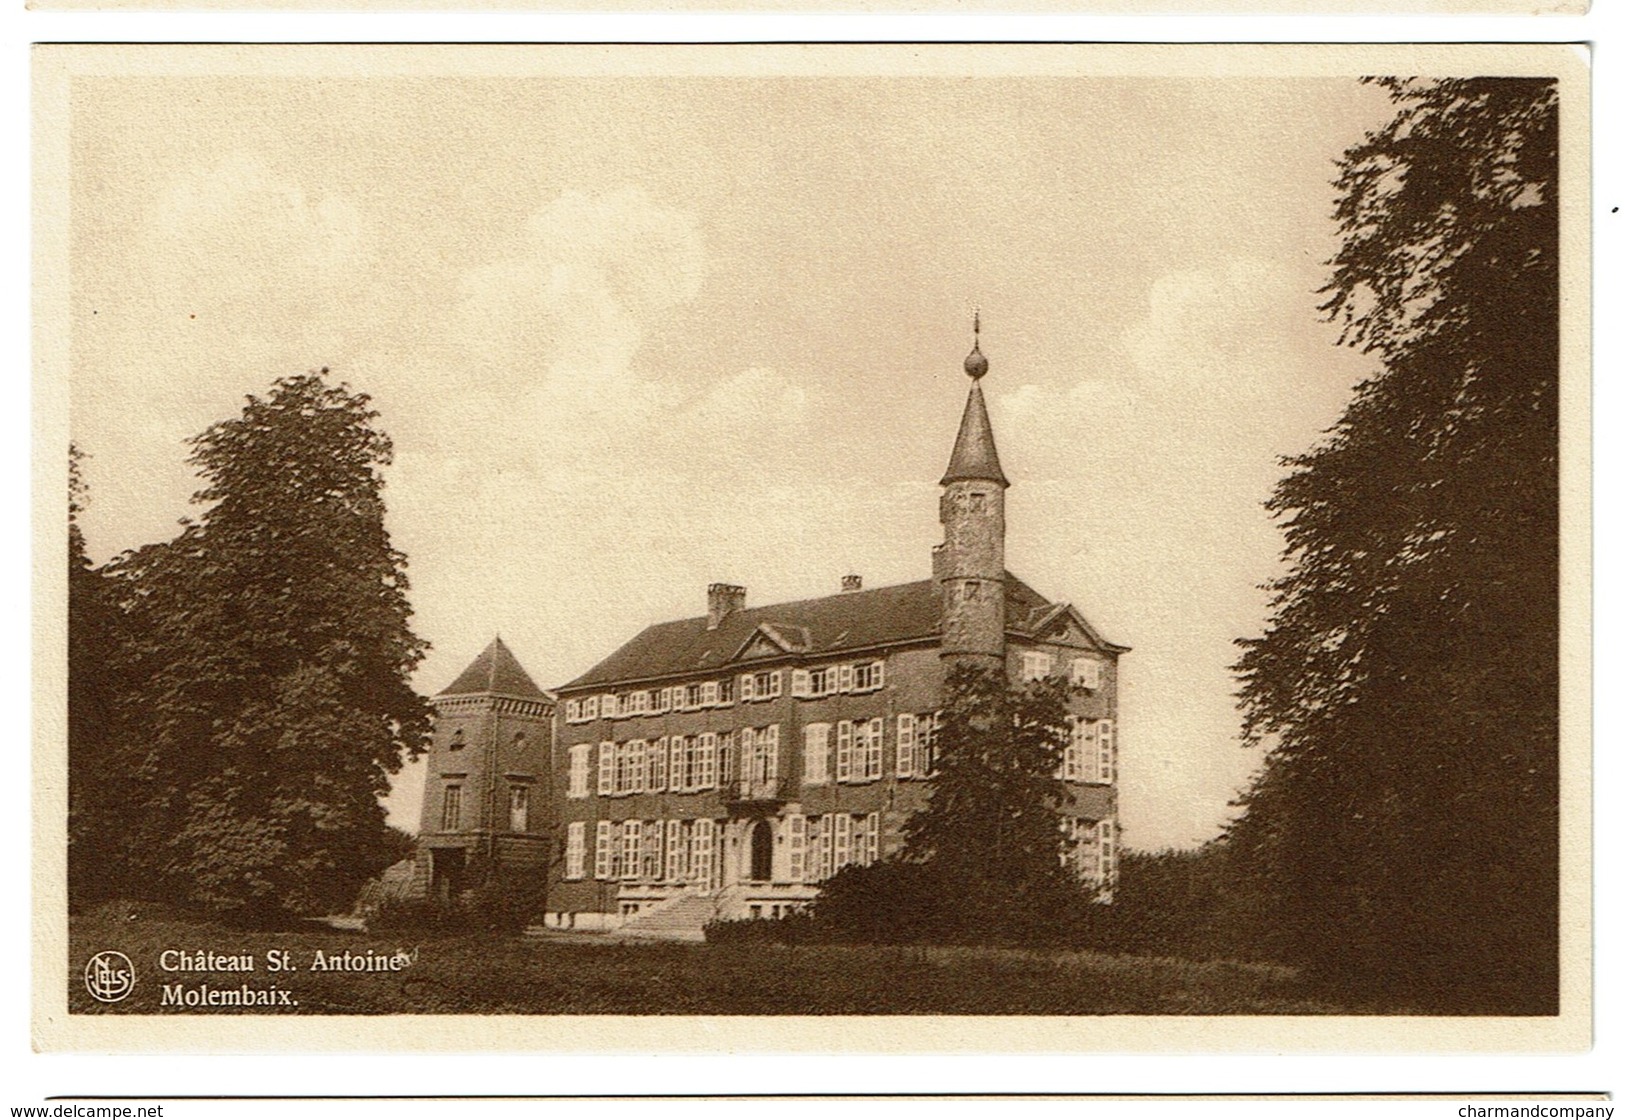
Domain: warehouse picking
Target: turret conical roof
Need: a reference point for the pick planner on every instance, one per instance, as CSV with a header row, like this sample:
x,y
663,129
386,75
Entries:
x,y
974,454
495,670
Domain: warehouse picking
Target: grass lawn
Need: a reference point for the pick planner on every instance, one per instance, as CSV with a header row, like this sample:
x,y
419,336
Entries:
x,y
542,976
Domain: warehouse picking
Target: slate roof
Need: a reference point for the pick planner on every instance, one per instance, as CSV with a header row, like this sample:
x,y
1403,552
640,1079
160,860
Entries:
x,y
847,622
974,455
496,670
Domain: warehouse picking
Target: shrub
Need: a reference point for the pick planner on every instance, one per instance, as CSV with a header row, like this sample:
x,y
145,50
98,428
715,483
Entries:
x,y
792,929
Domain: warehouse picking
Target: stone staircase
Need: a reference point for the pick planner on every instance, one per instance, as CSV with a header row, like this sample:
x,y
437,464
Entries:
x,y
681,917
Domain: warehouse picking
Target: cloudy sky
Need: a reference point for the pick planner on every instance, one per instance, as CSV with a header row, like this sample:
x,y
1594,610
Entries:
x,y
632,336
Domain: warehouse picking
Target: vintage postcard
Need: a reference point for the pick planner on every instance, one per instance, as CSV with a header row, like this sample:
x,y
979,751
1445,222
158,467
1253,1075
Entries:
x,y
718,547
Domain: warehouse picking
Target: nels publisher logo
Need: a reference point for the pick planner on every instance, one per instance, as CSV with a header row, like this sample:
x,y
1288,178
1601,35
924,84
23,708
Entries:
x,y
109,976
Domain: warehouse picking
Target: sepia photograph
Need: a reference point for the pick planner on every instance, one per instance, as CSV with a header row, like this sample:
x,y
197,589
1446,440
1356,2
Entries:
x,y
1082,543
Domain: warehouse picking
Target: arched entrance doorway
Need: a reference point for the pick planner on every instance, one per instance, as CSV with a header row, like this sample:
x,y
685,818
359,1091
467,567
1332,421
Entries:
x,y
761,852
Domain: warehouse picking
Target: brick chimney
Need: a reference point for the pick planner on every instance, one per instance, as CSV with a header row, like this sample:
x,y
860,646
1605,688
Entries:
x,y
721,600
851,583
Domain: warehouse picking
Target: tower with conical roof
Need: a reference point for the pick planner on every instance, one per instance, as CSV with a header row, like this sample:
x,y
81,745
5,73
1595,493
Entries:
x,y
485,795
969,563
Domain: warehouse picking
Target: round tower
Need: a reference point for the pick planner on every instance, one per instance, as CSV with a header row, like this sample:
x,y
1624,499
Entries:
x,y
970,561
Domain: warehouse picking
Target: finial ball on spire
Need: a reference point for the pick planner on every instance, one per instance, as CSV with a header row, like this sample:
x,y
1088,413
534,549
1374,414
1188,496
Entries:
x,y
975,363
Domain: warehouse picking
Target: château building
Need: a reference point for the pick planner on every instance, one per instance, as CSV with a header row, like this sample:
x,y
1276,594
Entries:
x,y
726,764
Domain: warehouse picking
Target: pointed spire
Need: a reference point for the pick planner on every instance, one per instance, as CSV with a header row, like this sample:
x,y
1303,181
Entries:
x,y
974,454
496,670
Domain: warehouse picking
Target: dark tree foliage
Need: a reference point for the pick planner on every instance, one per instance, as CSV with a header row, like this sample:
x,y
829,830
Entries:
x,y
270,663
982,861
98,775
1404,828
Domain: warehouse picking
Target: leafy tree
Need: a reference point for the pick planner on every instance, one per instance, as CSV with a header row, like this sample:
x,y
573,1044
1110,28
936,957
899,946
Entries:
x,y
982,861
272,668
1405,824
98,769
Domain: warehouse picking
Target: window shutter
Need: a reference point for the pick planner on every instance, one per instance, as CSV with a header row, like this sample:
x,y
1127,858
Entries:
x,y
775,681
631,855
589,708
876,761
814,753
606,768
873,832
708,760
747,687
575,849
674,839
800,683
797,825
843,751
725,758
708,694
600,851
826,848
770,741
637,762
905,745
844,678
843,840
580,761
704,832
1108,751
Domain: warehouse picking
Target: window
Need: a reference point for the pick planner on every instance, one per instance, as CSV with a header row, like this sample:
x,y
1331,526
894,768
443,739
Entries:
x,y
606,769
800,683
868,676
623,765
456,743
572,711
580,761
660,701
657,764
822,681
1107,741
747,687
639,703
693,694
1108,852
725,692
864,754
925,746
1086,672
1036,665
843,678
603,851
905,745
708,694
815,753
766,685
679,763
843,841
725,757
610,706
654,836
518,808
451,809
589,708
869,850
